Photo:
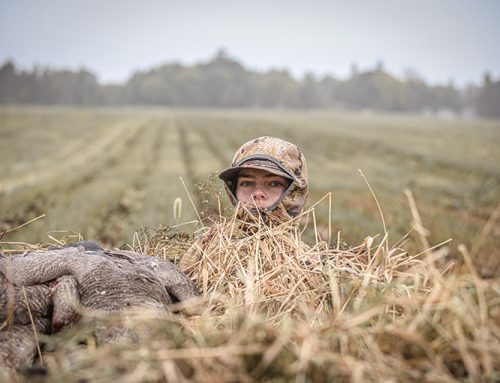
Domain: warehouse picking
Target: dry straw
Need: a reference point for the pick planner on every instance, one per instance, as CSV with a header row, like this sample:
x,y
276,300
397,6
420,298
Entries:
x,y
278,309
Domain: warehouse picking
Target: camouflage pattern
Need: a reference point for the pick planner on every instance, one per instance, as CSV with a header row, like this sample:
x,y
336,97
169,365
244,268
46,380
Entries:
x,y
279,157
271,154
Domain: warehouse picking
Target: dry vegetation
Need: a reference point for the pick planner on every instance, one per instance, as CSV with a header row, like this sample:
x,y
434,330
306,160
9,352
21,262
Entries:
x,y
278,309
397,307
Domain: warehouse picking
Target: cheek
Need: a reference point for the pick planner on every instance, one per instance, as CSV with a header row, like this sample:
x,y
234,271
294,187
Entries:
x,y
242,195
274,194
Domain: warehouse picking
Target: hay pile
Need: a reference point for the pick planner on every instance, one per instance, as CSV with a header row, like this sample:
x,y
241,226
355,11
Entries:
x,y
270,271
277,309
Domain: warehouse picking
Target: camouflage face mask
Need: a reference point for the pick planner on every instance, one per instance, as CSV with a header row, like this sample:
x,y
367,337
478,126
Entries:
x,y
278,157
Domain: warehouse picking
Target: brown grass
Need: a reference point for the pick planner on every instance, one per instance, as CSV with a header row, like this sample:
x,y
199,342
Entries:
x,y
278,309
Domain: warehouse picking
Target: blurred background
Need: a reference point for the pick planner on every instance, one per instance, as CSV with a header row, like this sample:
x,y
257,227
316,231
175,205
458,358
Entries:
x,y
412,56
104,105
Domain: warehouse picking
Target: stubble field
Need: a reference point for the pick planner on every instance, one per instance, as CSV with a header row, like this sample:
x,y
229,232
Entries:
x,y
107,173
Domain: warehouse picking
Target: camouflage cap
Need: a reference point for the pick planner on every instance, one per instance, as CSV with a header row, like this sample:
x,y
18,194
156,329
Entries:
x,y
255,162
278,157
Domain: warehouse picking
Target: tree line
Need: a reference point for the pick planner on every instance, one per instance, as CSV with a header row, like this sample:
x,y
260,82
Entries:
x,y
223,82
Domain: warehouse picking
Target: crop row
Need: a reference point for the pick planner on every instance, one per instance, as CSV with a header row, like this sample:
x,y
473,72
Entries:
x,y
107,173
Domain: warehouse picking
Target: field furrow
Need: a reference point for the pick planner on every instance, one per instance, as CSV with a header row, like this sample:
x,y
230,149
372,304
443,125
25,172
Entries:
x,y
216,143
54,191
163,185
107,173
86,152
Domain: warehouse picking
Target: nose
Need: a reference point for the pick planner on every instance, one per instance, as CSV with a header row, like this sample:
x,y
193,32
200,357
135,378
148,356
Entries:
x,y
258,194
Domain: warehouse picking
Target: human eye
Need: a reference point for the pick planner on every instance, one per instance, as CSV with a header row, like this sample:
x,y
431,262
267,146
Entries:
x,y
277,184
245,183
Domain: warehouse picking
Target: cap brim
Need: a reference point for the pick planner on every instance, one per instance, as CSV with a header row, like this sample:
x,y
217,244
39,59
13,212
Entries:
x,y
231,173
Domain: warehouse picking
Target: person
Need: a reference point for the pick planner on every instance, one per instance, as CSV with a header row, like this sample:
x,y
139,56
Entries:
x,y
267,182
268,175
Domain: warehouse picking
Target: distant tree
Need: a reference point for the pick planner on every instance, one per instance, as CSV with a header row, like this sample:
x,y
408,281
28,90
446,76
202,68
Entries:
x,y
373,90
68,88
8,81
223,82
417,96
446,97
488,99
309,95
470,97
277,88
328,89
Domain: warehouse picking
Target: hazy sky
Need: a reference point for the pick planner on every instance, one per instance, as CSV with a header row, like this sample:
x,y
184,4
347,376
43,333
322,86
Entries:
x,y
439,39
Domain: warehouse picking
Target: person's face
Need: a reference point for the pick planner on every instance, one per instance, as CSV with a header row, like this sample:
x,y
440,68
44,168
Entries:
x,y
259,188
